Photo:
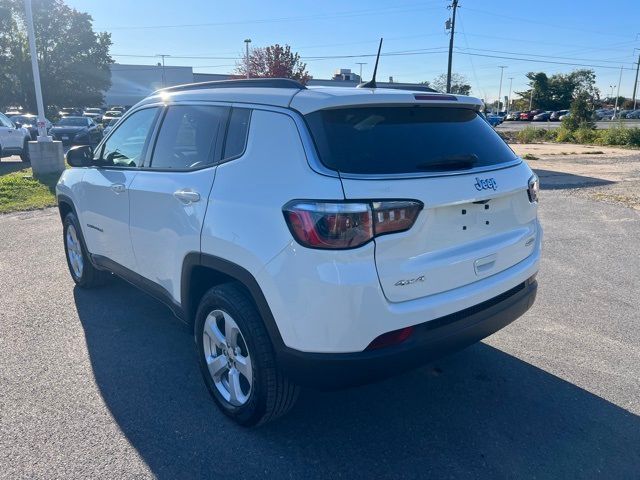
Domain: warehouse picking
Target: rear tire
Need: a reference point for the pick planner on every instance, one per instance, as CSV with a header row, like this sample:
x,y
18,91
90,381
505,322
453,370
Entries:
x,y
82,271
262,392
24,155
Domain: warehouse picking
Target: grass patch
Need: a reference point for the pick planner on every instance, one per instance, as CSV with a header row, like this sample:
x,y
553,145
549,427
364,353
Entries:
x,y
529,156
594,152
20,191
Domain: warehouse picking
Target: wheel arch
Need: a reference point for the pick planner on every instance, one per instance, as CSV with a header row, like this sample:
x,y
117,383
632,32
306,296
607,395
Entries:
x,y
66,206
202,271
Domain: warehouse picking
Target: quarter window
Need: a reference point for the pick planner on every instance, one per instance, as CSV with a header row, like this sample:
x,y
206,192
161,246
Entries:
x,y
188,136
237,132
125,147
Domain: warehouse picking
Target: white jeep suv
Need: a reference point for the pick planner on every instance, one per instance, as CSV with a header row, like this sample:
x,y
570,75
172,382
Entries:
x,y
14,139
321,236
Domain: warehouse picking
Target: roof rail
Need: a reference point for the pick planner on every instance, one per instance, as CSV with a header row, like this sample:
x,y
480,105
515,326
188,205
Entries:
x,y
240,83
408,86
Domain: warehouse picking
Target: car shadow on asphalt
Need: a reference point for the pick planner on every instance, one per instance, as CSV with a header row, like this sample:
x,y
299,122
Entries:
x,y
556,180
480,413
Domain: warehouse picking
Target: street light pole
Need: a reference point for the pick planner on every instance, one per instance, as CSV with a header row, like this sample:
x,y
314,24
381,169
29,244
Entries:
x,y
501,67
635,84
247,41
612,87
361,64
509,100
164,79
42,130
615,109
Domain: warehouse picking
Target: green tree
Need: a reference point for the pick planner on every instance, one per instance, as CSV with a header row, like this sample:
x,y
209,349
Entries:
x,y
73,59
558,91
274,61
459,84
581,113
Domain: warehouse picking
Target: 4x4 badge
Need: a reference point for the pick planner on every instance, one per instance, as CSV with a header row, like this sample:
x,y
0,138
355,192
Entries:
x,y
487,183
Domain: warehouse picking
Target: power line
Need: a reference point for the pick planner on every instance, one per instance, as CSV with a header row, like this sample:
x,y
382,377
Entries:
x,y
345,14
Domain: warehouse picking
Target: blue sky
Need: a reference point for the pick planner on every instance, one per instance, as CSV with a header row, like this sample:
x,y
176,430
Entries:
x,y
589,32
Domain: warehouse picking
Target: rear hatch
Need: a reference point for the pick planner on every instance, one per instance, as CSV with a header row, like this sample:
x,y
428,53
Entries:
x,y
477,219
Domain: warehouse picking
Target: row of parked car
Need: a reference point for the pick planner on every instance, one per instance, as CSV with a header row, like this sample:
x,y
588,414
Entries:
x,y
537,115
75,126
609,114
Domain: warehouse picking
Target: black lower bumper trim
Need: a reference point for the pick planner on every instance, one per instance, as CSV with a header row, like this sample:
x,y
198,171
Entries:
x,y
430,341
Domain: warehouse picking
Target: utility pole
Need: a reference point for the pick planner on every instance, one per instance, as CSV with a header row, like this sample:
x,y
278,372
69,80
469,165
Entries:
x,y
247,41
635,84
361,63
615,109
42,131
454,6
501,67
164,80
533,88
509,100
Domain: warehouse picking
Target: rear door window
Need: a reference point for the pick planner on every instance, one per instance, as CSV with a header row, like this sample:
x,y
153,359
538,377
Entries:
x,y
413,139
188,136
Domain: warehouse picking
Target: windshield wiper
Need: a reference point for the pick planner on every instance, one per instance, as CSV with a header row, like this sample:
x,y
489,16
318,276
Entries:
x,y
464,161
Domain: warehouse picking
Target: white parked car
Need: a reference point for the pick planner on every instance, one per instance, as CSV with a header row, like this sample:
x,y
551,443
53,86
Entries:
x,y
322,237
13,139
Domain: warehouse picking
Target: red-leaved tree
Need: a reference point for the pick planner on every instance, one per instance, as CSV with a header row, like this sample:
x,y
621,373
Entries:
x,y
274,61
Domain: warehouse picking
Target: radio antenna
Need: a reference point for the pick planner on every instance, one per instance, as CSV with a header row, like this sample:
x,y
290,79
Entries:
x,y
372,83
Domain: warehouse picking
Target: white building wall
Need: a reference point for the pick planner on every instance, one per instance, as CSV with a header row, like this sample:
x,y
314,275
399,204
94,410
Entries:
x,y
132,83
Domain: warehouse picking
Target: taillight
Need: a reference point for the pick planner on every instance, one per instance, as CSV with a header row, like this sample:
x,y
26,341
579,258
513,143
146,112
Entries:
x,y
533,188
342,225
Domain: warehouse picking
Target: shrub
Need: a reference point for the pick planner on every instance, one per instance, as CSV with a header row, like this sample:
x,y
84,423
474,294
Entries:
x,y
531,135
615,135
580,114
564,135
585,134
634,137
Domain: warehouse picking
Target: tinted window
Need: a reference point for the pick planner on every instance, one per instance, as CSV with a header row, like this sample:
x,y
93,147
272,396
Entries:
x,y
188,136
125,146
381,140
237,132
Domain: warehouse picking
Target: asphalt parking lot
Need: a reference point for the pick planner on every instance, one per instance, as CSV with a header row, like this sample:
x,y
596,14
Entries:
x,y
104,383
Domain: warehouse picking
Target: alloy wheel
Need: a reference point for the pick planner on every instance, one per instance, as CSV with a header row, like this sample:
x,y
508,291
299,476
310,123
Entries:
x,y
227,358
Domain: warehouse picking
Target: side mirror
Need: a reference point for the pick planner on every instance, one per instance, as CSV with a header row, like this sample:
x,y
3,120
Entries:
x,y
18,125
80,156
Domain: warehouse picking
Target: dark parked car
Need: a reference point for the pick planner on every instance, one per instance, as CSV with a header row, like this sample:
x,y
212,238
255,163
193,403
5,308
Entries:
x,y
76,131
555,116
542,117
528,116
30,122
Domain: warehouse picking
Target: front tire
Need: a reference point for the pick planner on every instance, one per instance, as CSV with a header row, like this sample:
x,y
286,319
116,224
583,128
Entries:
x,y
82,271
237,359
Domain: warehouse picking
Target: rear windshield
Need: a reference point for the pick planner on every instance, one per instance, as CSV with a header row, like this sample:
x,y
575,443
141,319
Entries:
x,y
414,139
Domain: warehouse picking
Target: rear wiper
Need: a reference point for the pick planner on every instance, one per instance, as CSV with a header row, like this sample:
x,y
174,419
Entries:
x,y
464,161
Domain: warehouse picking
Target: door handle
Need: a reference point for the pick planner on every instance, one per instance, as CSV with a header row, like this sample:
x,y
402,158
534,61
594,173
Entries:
x,y
118,187
187,196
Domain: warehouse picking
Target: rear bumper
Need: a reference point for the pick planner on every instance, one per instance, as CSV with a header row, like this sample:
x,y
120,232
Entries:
x,y
429,341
